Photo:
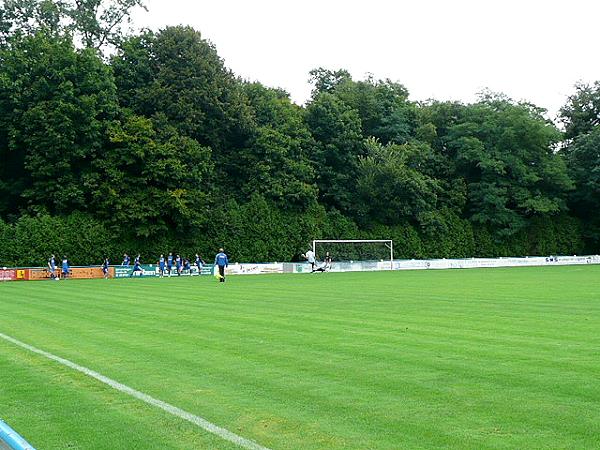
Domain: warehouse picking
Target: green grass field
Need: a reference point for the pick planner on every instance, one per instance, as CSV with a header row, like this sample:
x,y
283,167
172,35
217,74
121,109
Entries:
x,y
465,359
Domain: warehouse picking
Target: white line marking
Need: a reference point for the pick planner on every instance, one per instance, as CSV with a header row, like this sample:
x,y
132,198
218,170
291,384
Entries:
x,y
196,420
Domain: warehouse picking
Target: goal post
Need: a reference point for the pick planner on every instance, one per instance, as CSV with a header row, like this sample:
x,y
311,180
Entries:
x,y
388,243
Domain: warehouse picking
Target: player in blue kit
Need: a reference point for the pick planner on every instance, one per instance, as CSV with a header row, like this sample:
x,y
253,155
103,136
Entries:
x,y
187,267
169,263
126,260
137,267
178,264
199,263
52,267
65,267
221,262
161,266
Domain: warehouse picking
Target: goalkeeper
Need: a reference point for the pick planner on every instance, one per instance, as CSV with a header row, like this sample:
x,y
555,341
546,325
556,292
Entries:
x,y
326,264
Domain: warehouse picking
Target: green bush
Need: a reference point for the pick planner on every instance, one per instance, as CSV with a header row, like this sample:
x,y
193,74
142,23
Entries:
x,y
31,240
6,245
260,232
543,236
555,235
447,236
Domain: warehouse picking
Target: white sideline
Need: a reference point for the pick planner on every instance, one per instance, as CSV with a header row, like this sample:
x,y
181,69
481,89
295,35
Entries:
x,y
196,420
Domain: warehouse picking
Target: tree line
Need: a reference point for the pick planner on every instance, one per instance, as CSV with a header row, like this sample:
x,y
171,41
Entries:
x,y
147,142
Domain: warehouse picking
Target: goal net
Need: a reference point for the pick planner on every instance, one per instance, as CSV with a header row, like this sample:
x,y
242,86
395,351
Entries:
x,y
350,250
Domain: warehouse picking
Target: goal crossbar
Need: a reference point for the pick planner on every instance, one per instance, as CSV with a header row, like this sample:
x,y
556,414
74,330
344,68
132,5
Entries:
x,y
389,243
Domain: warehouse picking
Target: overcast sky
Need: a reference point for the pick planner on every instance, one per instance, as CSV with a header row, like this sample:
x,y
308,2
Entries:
x,y
531,50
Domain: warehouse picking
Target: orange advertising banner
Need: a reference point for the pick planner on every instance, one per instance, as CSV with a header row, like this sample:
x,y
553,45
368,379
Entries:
x,y
39,274
75,273
86,272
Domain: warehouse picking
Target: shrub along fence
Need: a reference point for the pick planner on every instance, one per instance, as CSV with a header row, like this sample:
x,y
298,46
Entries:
x,y
258,231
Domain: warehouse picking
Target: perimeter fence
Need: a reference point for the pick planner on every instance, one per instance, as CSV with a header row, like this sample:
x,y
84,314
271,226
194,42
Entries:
x,y
150,270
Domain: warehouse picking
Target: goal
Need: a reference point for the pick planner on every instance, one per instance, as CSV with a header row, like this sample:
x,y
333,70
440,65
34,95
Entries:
x,y
356,249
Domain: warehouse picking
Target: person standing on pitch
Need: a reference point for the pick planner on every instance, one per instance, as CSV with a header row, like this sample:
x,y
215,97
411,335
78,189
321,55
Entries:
x,y
137,268
105,265
65,267
328,261
178,263
52,267
126,260
161,266
187,267
169,263
199,263
310,257
221,262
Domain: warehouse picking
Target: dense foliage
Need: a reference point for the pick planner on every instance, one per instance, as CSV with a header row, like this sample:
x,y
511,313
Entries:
x,y
159,148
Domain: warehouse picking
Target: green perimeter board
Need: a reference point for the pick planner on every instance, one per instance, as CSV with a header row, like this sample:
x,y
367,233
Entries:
x,y
490,358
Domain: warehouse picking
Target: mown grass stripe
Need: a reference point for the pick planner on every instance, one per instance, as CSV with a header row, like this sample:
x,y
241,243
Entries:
x,y
494,358
197,420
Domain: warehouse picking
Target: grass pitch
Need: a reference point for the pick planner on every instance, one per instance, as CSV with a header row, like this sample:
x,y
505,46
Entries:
x,y
469,359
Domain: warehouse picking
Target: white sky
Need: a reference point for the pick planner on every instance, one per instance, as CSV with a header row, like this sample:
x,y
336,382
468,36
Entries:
x,y
531,50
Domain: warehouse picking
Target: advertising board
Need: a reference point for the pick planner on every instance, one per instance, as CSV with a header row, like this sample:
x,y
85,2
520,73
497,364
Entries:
x,y
8,274
152,270
254,269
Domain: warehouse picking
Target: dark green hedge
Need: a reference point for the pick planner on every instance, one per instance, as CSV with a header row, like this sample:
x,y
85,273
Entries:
x,y
258,231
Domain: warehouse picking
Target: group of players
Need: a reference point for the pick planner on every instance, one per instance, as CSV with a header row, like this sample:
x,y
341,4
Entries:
x,y
52,267
169,265
176,265
312,260
166,266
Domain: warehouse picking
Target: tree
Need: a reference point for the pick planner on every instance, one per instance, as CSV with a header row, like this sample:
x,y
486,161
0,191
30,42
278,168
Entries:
x,y
277,162
95,23
582,111
150,180
390,191
27,17
339,143
179,75
383,107
583,160
434,119
581,117
504,151
325,80
54,104
100,22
